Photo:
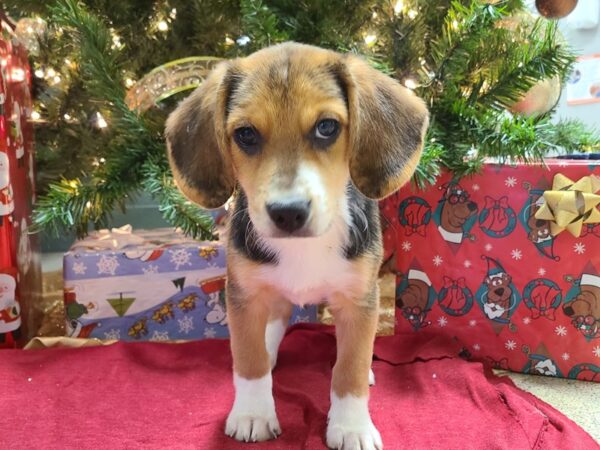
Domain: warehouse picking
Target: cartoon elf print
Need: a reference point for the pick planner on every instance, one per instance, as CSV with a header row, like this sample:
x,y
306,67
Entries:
x,y
538,230
214,289
10,311
582,304
497,296
17,133
74,311
415,297
455,214
7,204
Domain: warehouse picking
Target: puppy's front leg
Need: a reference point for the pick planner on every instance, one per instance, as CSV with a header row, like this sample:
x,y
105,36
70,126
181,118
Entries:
x,y
252,417
350,425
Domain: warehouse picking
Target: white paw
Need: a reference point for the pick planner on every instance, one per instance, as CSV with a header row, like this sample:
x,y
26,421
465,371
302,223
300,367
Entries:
x,y
252,417
252,428
350,426
371,378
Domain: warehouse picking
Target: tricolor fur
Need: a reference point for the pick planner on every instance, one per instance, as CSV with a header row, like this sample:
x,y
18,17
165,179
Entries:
x,y
306,140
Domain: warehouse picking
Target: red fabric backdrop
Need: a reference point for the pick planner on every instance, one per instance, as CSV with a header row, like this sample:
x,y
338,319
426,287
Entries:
x,y
177,396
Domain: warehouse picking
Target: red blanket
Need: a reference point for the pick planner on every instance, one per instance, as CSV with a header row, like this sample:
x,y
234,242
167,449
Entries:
x,y
177,396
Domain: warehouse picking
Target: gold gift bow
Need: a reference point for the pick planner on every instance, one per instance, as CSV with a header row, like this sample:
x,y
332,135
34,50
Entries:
x,y
570,204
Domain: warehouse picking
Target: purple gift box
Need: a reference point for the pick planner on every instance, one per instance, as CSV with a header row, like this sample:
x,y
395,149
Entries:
x,y
148,285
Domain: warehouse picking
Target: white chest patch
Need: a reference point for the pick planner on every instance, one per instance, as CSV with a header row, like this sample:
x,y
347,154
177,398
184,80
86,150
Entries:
x,y
310,270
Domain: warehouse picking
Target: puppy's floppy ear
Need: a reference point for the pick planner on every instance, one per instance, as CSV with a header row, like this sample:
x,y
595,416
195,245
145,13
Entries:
x,y
387,127
196,141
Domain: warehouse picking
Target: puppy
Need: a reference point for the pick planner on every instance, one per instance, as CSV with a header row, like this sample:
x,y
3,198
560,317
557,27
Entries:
x,y
306,140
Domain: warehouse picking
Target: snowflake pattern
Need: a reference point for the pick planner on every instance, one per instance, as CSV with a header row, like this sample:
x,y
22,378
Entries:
x,y
442,321
579,248
541,271
112,334
565,356
301,319
151,269
186,324
560,330
406,246
79,268
596,351
437,260
467,263
180,257
510,345
476,347
526,320
488,247
210,333
472,322
510,182
475,187
107,264
516,254
160,336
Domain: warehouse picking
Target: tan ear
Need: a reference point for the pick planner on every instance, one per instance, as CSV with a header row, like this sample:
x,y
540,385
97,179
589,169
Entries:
x,y
196,141
387,127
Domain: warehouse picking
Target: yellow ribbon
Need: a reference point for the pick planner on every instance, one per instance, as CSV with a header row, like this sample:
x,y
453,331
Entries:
x,y
570,204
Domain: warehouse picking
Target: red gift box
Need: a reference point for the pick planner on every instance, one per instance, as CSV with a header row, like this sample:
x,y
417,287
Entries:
x,y
20,275
476,265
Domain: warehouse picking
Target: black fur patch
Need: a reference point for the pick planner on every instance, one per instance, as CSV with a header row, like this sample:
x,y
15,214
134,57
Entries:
x,y
243,235
365,234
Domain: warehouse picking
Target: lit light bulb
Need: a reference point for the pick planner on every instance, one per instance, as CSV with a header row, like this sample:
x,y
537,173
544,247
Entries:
x,y
374,15
412,13
455,24
35,115
102,160
56,79
88,204
370,39
100,121
398,6
67,116
410,83
163,25
50,73
229,41
173,13
67,61
17,74
39,73
129,82
29,29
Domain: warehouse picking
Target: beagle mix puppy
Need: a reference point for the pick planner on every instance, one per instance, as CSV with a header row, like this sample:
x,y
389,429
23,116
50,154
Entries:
x,y
305,140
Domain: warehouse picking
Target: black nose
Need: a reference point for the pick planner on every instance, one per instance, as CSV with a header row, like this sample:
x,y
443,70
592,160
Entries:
x,y
289,217
499,291
540,223
472,206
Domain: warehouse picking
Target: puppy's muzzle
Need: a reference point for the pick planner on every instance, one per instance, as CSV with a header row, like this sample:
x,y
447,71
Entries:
x,y
289,217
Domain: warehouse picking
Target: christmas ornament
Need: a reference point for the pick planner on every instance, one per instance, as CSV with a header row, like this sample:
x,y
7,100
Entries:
x,y
540,99
571,204
555,9
169,79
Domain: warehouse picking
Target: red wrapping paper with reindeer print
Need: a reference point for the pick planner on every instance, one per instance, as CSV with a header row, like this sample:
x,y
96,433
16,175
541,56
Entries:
x,y
474,264
20,274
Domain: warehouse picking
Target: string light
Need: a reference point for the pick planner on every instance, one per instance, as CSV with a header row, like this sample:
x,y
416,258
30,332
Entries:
x,y
173,13
374,15
455,24
39,73
410,83
163,26
56,79
228,41
412,13
67,116
129,82
35,115
100,121
370,39
50,73
88,204
398,6
17,74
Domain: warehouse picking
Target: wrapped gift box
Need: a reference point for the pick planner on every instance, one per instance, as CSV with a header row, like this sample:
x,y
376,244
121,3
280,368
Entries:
x,y
148,285
476,264
20,273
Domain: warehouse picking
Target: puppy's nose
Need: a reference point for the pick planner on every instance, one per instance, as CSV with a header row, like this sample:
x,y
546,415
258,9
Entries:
x,y
289,217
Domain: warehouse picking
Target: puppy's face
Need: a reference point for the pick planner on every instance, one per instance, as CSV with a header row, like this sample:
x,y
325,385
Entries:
x,y
287,130
292,125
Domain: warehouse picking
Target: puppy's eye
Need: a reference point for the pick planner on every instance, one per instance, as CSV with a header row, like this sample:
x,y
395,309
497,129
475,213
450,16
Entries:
x,y
327,129
248,139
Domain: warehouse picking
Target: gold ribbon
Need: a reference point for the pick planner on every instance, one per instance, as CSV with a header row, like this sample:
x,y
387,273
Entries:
x,y
571,204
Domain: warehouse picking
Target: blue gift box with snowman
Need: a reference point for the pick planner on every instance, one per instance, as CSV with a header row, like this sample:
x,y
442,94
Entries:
x,y
149,285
